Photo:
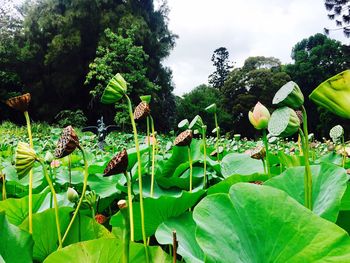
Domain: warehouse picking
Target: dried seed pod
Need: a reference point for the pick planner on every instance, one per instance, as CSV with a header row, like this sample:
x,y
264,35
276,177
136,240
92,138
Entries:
x,y
141,111
118,164
67,142
258,153
122,204
20,103
184,138
300,116
101,219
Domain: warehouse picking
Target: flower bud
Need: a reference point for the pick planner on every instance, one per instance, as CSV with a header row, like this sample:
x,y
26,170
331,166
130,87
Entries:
x,y
260,116
122,204
72,195
115,90
20,103
284,122
25,159
289,95
334,94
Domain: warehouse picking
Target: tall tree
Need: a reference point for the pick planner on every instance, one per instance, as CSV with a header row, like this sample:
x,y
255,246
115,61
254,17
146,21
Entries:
x,y
220,59
316,59
258,79
339,10
59,40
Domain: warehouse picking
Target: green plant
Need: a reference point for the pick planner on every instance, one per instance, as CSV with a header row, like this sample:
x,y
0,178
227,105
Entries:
x,y
69,117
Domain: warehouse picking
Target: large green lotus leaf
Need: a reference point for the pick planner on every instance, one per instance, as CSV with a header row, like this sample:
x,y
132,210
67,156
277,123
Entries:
x,y
62,200
17,209
236,163
157,210
225,185
331,157
105,186
45,233
290,160
106,250
328,186
16,244
185,229
182,181
345,202
255,223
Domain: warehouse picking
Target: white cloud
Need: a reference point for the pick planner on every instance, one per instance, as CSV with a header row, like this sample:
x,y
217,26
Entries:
x,y
257,27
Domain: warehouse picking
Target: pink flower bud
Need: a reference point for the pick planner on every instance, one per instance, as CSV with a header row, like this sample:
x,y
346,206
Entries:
x,y
260,116
55,164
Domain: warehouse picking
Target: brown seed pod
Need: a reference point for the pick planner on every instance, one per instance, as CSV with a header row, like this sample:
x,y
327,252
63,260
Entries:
x,y
184,138
258,153
300,116
118,164
20,103
67,142
141,111
101,219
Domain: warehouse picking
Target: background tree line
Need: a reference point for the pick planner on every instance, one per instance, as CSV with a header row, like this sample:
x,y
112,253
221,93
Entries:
x,y
64,53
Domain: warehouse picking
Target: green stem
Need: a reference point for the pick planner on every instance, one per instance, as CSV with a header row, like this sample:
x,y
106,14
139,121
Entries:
x,y
30,186
217,136
86,175
344,150
205,159
3,187
139,175
148,143
190,161
131,212
153,155
53,194
308,174
264,165
126,238
266,144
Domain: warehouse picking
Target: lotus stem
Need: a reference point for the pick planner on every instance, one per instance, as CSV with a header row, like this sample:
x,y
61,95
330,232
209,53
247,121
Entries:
x,y
205,159
3,186
86,175
148,144
131,213
266,144
190,161
30,186
308,174
126,233
153,155
217,136
344,150
174,246
53,193
139,176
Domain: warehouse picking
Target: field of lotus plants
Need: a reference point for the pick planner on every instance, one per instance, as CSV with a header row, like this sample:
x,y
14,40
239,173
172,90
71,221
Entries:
x,y
185,197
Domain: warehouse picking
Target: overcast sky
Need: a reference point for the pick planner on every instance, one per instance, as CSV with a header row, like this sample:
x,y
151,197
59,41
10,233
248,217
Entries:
x,y
245,28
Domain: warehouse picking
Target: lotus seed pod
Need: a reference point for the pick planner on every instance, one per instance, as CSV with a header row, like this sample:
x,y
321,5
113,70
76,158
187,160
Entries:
x,y
141,111
334,94
115,90
184,124
25,159
101,219
122,204
289,95
300,116
259,117
331,147
284,122
196,124
118,164
336,133
67,143
258,153
20,103
72,195
184,138
211,108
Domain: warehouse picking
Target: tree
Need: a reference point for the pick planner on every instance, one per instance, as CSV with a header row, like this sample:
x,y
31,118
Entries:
x,y
59,39
316,59
221,61
339,9
258,79
196,101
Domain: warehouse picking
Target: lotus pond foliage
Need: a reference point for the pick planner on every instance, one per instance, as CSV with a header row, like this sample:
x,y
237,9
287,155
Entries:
x,y
185,196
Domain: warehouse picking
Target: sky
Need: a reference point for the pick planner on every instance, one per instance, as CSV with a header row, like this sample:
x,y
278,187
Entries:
x,y
245,28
